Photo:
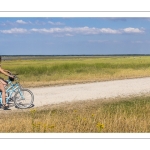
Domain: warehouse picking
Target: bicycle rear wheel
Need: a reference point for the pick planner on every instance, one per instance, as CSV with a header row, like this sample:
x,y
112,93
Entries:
x,y
23,98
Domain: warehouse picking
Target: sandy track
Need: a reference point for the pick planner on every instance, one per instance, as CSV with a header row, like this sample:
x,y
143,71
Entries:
x,y
90,91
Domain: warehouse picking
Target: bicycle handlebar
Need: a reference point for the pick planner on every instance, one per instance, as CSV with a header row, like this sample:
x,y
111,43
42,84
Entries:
x,y
14,76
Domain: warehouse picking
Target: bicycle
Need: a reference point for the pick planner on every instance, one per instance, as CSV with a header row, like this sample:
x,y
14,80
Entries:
x,y
22,98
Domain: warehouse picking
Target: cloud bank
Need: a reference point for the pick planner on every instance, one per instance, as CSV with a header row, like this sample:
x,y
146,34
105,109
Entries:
x,y
87,30
73,31
14,31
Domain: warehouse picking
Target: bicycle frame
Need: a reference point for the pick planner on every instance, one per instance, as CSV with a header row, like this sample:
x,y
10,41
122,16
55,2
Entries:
x,y
10,89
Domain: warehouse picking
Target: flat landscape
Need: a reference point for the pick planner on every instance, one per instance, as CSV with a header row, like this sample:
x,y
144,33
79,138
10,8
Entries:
x,y
48,71
72,92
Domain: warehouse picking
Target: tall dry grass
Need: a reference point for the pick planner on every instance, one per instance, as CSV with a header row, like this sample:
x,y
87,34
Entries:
x,y
126,115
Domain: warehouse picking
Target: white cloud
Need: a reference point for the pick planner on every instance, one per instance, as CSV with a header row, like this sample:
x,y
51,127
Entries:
x,y
69,31
21,22
14,31
110,31
133,30
55,23
79,30
88,31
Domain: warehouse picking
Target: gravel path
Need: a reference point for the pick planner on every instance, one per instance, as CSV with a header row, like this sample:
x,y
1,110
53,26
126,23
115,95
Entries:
x,y
89,91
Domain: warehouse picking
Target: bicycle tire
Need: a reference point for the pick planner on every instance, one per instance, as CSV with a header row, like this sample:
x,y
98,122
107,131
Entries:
x,y
25,102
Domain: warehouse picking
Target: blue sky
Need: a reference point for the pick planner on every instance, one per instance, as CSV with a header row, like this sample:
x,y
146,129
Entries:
x,y
74,36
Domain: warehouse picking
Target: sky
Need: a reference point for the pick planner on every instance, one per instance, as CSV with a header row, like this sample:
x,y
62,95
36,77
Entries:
x,y
74,35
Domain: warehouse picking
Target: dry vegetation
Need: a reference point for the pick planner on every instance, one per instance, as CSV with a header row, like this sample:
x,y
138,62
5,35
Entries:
x,y
124,115
119,115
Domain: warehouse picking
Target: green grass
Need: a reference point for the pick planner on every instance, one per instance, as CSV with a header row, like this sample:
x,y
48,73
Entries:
x,y
40,72
120,115
126,115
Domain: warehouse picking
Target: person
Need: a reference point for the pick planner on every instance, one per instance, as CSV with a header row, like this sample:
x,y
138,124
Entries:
x,y
3,83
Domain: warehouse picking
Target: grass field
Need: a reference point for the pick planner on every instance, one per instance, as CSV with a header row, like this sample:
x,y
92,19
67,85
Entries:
x,y
126,115
43,72
130,115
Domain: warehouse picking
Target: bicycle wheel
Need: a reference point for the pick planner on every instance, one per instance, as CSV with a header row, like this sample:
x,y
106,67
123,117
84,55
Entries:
x,y
23,98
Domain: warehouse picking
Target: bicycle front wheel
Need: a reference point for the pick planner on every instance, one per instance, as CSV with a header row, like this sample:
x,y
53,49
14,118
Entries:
x,y
23,98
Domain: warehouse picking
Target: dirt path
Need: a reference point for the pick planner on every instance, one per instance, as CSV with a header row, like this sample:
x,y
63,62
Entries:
x,y
89,91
